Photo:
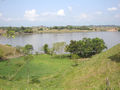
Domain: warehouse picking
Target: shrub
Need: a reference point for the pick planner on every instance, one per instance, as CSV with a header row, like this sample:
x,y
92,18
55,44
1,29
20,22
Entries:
x,y
46,49
27,49
86,47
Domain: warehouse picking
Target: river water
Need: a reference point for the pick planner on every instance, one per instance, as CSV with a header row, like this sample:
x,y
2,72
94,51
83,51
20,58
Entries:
x,y
38,40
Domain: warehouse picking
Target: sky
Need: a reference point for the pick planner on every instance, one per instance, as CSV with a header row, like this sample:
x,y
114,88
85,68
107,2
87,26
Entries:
x,y
59,12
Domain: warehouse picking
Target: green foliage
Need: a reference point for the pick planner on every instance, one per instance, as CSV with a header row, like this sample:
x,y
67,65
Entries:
x,y
84,28
71,27
10,33
18,29
86,47
46,49
28,31
22,28
41,29
27,49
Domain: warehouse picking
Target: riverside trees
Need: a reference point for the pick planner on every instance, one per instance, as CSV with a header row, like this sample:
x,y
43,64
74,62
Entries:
x,y
82,48
86,47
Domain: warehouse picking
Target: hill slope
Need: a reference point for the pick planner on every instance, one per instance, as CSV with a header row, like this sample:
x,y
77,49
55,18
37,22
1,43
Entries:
x,y
92,74
60,74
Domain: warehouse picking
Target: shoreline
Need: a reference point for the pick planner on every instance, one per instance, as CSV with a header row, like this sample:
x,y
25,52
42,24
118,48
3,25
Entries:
x,y
61,31
70,31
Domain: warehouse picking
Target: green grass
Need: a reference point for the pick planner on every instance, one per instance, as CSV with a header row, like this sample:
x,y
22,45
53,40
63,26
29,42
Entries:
x,y
60,74
92,74
48,69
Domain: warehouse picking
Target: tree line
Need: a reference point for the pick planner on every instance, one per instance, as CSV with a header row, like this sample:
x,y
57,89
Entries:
x,y
84,48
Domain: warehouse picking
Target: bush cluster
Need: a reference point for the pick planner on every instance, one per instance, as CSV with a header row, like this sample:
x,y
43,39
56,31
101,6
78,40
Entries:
x,y
86,47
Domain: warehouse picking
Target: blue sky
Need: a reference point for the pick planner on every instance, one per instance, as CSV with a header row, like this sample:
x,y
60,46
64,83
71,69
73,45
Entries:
x,y
59,12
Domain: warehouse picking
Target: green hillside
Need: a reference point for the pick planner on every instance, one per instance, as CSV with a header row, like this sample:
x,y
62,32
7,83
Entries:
x,y
50,73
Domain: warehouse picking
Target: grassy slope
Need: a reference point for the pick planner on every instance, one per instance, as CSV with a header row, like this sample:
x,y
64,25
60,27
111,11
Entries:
x,y
47,68
92,74
59,74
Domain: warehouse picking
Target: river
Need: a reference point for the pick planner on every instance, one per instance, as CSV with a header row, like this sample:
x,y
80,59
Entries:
x,y
38,40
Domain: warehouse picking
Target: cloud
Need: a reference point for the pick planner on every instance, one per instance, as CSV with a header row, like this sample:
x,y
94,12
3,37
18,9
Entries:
x,y
112,9
61,12
58,13
69,8
99,12
31,15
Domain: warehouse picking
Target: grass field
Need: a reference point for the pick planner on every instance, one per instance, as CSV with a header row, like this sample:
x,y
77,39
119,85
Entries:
x,y
49,73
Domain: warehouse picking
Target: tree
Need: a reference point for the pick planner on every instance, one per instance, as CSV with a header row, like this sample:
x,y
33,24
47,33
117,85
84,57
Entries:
x,y
86,47
98,45
22,28
46,49
10,33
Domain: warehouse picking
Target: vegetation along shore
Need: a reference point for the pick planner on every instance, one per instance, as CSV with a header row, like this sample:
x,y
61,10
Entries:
x,y
58,29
